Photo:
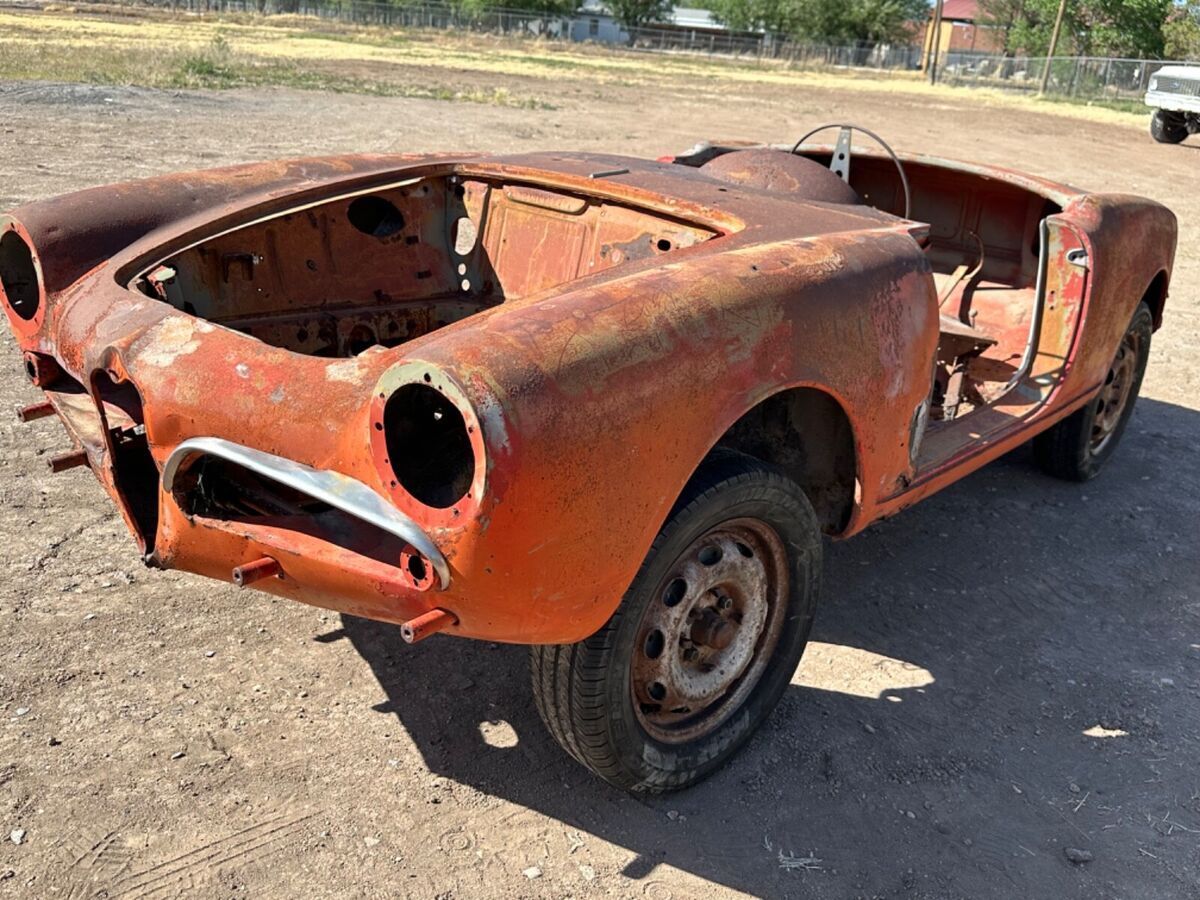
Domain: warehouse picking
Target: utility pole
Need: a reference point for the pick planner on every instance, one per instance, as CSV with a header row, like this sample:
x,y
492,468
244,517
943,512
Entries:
x,y
935,40
1058,20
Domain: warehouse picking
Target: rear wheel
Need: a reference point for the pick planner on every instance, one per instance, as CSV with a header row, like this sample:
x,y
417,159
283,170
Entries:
x,y
1168,127
704,642
1077,447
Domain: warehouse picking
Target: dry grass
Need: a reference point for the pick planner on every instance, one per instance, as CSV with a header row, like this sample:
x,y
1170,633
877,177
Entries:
x,y
142,48
191,53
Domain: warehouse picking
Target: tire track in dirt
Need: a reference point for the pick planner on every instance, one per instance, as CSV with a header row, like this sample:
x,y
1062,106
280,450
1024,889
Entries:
x,y
105,866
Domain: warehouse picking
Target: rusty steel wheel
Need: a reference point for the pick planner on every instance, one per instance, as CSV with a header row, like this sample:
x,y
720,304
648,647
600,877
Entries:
x,y
1077,447
704,644
1115,396
705,641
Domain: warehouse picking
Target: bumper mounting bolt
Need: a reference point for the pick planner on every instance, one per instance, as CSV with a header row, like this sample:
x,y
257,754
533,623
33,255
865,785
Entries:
x,y
70,460
35,411
246,575
426,624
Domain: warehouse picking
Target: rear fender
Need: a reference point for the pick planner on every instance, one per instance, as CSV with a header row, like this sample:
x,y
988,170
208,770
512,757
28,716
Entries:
x,y
1131,253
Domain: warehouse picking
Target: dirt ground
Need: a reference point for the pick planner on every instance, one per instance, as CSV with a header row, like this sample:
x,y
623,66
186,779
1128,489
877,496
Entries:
x,y
1007,671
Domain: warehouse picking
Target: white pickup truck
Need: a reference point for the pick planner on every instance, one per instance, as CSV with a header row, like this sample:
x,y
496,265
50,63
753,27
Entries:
x,y
1174,95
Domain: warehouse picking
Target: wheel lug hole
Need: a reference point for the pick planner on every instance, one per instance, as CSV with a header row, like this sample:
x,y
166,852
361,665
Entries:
x,y
675,592
654,644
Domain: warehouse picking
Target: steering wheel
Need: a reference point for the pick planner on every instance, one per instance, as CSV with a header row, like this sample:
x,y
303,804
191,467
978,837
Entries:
x,y
840,163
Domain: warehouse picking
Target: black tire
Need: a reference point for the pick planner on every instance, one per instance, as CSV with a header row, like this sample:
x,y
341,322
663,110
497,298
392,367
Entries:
x,y
585,691
1077,448
1168,127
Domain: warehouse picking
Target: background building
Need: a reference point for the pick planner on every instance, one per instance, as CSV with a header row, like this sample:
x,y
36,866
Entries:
x,y
961,31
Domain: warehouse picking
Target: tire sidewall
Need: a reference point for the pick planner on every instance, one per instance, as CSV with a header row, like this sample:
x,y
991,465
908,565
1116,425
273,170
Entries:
x,y
670,765
1165,130
1091,462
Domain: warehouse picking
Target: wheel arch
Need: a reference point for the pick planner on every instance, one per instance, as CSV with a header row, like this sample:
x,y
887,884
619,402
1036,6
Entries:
x,y
1155,296
806,431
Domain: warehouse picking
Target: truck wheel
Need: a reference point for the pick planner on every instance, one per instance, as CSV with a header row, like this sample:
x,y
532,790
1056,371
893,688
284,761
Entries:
x,y
705,640
1077,447
1168,127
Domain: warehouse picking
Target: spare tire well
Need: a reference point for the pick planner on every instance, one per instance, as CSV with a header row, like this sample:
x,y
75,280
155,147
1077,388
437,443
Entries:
x,y
806,433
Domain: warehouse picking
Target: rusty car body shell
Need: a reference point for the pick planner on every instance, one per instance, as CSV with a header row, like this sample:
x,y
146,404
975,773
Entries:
x,y
589,404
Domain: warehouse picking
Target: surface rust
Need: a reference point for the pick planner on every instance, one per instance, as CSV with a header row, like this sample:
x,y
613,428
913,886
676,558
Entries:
x,y
597,336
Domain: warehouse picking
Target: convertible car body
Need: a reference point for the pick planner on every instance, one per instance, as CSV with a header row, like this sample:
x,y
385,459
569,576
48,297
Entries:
x,y
464,393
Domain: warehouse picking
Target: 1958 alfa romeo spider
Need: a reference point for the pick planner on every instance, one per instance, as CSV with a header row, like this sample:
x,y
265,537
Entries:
x,y
604,406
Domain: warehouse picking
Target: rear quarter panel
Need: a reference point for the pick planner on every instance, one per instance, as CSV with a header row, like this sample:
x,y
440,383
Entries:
x,y
1131,252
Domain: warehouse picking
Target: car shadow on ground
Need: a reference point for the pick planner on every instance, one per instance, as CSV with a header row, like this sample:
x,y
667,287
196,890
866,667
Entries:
x,y
993,681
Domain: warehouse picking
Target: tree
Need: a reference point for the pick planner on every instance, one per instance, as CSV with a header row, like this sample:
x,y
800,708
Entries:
x,y
1090,27
1004,15
775,16
1120,27
636,13
823,21
1181,33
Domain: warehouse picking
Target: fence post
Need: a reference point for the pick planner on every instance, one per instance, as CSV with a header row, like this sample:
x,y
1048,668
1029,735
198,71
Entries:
x,y
1115,81
1058,20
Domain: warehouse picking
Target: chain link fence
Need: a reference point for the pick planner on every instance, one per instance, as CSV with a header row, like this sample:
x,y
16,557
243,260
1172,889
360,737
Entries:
x,y
1084,78
1080,78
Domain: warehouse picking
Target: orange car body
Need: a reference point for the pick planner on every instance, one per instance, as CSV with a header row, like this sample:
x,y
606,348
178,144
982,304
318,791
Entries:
x,y
590,395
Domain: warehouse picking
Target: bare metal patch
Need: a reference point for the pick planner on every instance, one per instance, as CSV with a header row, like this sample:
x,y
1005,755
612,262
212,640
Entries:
x,y
171,339
348,370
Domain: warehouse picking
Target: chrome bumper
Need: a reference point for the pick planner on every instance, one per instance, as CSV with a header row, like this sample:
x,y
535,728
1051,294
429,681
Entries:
x,y
342,492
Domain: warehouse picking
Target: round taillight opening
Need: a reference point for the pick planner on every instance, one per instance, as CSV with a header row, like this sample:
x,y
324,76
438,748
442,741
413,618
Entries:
x,y
18,276
428,445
